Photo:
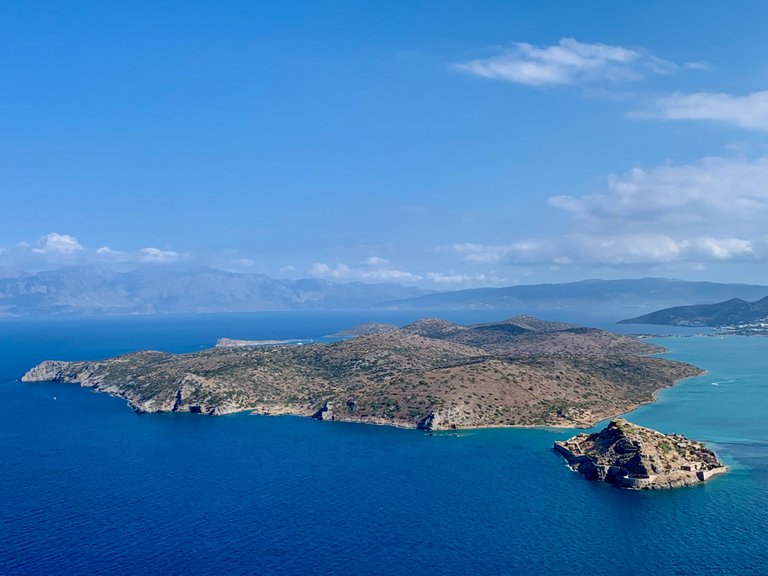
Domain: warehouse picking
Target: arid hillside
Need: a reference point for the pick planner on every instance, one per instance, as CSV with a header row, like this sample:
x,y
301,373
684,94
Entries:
x,y
430,374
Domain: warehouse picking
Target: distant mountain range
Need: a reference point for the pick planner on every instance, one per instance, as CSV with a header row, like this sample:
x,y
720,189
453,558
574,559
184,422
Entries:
x,y
160,290
732,312
619,297
168,290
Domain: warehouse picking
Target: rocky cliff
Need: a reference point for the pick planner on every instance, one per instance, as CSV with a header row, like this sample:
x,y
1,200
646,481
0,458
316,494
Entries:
x,y
634,457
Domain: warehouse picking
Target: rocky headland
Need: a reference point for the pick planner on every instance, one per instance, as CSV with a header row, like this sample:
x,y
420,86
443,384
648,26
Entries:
x,y
431,374
634,457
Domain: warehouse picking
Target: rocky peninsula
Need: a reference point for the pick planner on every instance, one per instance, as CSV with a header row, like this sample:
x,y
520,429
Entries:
x,y
431,374
732,313
634,457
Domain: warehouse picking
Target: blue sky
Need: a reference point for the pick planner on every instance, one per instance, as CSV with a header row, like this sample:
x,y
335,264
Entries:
x,y
445,144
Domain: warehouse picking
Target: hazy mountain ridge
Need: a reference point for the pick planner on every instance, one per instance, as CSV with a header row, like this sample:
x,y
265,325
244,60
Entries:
x,y
156,290
641,295
170,290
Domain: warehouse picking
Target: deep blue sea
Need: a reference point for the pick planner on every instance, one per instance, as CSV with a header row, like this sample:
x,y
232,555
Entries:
x,y
89,487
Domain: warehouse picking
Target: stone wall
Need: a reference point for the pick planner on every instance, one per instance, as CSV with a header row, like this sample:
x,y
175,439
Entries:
x,y
707,474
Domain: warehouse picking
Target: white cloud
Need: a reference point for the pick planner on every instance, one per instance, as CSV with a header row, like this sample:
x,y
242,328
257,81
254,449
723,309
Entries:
x,y
724,248
156,255
56,249
453,277
567,62
717,195
711,211
622,250
145,255
749,111
699,65
57,244
343,272
110,255
376,261
653,248
321,270
450,278
522,250
389,275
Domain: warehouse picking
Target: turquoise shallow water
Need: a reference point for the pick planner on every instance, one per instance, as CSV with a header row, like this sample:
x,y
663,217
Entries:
x,y
89,487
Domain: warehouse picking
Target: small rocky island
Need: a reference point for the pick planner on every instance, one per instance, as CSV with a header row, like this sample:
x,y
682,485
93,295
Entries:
x,y
630,456
431,374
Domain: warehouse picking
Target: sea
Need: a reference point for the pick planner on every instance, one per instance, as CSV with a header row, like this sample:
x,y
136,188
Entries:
x,y
89,487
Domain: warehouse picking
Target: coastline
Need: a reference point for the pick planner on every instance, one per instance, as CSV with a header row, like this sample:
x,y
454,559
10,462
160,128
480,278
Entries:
x,y
656,394
409,426
180,389
259,410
